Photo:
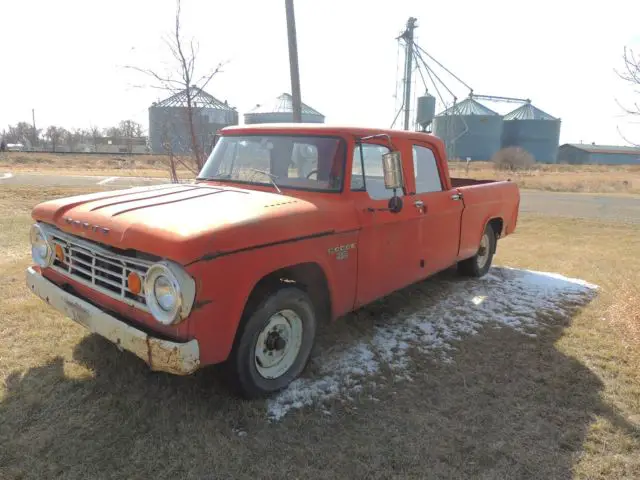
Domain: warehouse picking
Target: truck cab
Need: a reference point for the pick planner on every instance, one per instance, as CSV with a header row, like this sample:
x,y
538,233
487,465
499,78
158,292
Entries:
x,y
286,226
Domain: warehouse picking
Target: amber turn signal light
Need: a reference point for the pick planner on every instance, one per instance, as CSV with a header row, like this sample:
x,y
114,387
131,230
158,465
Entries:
x,y
59,253
134,283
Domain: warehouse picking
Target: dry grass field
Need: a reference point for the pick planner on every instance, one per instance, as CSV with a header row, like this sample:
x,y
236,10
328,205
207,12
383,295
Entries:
x,y
623,179
562,404
81,164
618,179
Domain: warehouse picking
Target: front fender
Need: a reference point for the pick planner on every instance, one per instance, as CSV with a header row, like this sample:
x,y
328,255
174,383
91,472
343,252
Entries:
x,y
225,283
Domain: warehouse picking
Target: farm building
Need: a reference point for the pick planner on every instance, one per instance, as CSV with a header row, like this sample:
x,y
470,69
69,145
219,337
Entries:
x,y
114,145
579,153
169,121
280,110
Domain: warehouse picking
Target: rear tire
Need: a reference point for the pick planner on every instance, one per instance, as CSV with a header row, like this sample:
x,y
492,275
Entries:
x,y
273,344
478,265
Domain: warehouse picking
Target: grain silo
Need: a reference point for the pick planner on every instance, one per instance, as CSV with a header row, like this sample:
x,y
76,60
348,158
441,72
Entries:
x,y
533,130
469,130
280,110
169,121
425,111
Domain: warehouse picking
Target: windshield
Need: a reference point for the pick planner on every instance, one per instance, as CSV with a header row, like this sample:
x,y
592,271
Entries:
x,y
309,163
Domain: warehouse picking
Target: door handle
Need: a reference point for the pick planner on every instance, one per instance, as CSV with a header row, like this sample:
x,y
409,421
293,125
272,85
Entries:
x,y
456,196
420,205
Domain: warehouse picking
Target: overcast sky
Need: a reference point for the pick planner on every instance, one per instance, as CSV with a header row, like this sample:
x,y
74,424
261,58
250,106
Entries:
x,y
66,58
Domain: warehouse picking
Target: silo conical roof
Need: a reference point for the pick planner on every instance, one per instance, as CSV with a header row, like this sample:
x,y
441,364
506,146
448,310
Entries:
x,y
468,106
198,97
528,112
283,104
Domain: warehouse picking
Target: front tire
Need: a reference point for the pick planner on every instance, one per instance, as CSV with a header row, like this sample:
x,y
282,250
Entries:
x,y
273,344
478,265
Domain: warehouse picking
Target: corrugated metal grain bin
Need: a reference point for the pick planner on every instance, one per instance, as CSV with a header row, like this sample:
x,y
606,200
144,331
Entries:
x,y
281,111
533,130
469,129
169,121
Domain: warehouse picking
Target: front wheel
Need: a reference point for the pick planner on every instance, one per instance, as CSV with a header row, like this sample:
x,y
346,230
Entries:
x,y
274,343
479,264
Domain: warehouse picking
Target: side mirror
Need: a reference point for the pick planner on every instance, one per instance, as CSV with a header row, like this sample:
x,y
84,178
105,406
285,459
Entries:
x,y
392,170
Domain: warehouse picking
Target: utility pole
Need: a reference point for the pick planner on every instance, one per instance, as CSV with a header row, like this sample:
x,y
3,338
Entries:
x,y
35,132
293,62
408,68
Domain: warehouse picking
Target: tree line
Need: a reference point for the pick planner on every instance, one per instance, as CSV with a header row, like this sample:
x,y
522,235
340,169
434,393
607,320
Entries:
x,y
55,137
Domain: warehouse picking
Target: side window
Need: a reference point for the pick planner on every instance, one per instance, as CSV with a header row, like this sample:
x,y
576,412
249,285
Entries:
x,y
426,171
372,176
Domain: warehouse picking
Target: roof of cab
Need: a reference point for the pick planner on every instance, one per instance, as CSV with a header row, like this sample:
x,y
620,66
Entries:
x,y
324,129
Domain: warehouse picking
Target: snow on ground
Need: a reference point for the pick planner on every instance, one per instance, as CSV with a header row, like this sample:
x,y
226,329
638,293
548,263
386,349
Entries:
x,y
504,297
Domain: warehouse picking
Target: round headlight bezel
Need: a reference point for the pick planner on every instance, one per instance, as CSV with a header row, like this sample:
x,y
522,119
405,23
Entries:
x,y
165,292
42,261
182,285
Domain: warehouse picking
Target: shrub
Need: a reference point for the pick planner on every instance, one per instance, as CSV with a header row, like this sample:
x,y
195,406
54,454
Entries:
x,y
512,159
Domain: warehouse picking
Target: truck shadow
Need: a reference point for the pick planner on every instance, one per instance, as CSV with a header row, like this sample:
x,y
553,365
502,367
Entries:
x,y
505,405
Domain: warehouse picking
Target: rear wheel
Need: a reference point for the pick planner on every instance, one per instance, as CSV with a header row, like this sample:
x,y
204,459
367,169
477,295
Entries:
x,y
274,343
479,264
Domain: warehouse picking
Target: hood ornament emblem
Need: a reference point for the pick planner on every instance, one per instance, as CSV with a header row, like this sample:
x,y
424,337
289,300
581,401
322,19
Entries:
x,y
86,226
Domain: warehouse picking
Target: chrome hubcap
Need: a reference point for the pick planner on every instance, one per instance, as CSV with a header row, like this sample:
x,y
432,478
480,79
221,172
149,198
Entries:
x,y
483,251
278,344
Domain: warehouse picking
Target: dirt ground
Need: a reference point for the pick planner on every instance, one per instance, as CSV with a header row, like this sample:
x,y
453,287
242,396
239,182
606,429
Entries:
x,y
562,404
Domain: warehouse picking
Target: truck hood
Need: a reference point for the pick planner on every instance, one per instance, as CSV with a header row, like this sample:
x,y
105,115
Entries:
x,y
187,222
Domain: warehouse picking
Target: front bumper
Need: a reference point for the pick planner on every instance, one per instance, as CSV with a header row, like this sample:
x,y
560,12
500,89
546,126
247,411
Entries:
x,y
160,355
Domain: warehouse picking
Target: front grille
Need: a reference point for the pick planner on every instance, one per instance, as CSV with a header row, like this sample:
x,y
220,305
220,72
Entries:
x,y
96,267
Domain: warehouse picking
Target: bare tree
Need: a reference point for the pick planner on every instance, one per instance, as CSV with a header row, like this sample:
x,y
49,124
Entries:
x,y
94,134
70,139
112,132
55,135
22,132
167,145
631,74
184,77
74,138
130,128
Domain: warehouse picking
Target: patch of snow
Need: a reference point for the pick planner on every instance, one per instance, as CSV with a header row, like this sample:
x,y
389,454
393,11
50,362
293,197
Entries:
x,y
506,297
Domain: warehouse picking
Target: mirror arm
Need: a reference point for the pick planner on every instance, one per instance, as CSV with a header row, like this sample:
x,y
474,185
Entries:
x,y
379,135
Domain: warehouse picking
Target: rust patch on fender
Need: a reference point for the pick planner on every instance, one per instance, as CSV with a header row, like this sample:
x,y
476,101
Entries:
x,y
200,304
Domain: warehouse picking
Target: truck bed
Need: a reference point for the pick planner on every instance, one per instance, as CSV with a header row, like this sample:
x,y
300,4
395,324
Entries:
x,y
465,182
485,200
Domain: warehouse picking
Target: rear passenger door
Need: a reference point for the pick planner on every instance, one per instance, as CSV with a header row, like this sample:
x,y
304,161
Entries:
x,y
442,211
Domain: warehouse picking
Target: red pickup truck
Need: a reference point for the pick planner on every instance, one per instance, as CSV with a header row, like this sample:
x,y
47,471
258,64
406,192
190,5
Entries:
x,y
286,226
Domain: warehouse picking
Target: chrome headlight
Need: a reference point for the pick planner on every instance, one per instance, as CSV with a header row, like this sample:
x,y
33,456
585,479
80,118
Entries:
x,y
169,292
41,250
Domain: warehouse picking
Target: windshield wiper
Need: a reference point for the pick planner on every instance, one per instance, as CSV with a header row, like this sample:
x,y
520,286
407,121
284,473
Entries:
x,y
271,176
